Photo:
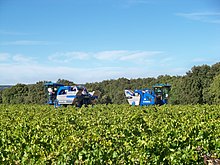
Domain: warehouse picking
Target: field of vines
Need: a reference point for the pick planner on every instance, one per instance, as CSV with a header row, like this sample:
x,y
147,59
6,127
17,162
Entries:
x,y
109,134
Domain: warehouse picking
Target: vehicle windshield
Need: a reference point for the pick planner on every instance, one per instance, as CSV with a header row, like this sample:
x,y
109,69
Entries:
x,y
157,90
166,90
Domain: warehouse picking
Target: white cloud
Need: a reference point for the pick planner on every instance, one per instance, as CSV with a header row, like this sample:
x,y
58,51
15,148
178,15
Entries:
x,y
16,58
65,57
20,68
140,55
209,17
33,73
4,57
110,55
123,55
19,58
26,43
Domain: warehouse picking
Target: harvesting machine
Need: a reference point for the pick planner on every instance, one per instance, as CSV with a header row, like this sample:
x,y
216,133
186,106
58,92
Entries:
x,y
58,94
158,95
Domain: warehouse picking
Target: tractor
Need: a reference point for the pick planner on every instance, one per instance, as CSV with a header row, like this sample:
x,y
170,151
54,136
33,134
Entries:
x,y
158,95
59,94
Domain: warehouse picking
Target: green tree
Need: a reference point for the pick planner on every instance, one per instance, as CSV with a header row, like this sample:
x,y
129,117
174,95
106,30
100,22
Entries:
x,y
214,90
104,99
65,82
203,77
215,69
176,91
36,93
15,95
0,96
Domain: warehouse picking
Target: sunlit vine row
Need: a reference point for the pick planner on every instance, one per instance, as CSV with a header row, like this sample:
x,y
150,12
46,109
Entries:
x,y
108,134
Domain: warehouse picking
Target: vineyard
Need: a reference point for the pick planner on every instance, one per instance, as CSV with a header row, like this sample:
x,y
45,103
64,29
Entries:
x,y
112,134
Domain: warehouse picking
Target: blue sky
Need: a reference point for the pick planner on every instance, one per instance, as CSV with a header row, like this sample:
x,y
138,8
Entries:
x,y
94,40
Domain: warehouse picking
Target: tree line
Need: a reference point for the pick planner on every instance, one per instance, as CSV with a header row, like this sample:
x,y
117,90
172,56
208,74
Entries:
x,y
200,85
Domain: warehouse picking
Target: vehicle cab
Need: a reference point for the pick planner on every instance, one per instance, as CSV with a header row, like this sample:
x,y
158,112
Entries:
x,y
162,93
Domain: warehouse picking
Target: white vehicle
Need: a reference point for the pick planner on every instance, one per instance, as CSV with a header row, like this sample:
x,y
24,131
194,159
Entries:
x,y
70,95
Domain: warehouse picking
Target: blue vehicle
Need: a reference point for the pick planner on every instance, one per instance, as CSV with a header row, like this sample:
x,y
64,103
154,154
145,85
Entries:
x,y
159,95
58,95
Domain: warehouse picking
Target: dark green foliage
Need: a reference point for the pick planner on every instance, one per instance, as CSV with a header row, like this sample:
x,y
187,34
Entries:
x,y
214,91
26,94
15,94
176,91
0,97
65,82
36,94
194,87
